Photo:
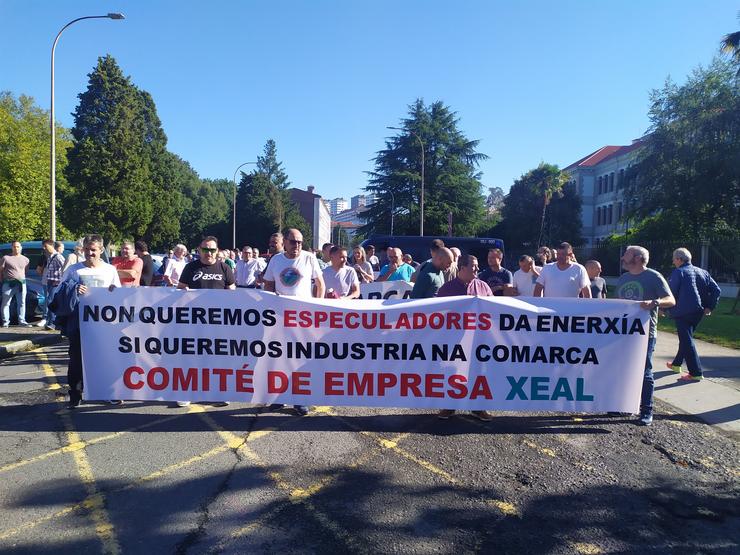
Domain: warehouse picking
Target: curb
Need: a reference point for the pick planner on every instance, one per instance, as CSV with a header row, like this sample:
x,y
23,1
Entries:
x,y
12,349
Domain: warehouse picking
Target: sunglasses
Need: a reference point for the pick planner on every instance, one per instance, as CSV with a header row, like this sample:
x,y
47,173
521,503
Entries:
x,y
210,251
295,241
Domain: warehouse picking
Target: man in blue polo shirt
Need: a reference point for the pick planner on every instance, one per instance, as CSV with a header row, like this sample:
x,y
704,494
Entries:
x,y
396,269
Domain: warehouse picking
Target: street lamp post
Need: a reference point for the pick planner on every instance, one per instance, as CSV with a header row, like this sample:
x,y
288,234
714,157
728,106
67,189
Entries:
x,y
393,208
233,207
421,197
53,199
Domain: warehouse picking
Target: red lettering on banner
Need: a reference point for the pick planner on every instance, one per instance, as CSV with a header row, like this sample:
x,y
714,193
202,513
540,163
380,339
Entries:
x,y
386,381
301,380
222,374
289,319
333,380
244,381
272,378
320,318
359,386
182,383
481,389
127,375
485,321
459,389
410,382
205,379
432,382
152,382
352,321
403,321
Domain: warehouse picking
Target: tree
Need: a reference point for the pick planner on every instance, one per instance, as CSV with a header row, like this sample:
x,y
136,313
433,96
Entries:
x,y
689,166
451,180
24,168
731,45
263,202
542,196
122,180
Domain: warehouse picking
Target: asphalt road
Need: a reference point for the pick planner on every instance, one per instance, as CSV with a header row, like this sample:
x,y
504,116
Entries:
x,y
149,478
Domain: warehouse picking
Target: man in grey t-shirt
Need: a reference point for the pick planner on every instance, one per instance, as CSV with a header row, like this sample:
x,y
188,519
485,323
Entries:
x,y
640,283
13,271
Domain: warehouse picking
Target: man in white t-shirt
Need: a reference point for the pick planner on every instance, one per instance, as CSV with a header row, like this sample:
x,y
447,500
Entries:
x,y
341,280
526,277
563,278
92,272
290,273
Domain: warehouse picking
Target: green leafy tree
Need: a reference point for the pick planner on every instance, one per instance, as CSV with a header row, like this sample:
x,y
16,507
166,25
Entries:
x,y
263,202
689,167
206,207
24,169
451,179
542,196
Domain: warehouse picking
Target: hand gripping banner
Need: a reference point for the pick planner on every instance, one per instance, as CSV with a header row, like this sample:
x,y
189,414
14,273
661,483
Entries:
x,y
475,353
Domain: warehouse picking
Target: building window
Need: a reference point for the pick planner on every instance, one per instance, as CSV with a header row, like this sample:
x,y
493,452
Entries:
x,y
600,217
599,189
610,214
620,180
611,182
619,211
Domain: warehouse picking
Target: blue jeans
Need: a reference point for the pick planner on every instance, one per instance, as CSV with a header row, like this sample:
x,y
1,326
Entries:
x,y
48,314
648,383
17,290
685,327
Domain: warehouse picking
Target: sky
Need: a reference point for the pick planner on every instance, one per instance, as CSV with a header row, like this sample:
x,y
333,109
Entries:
x,y
533,81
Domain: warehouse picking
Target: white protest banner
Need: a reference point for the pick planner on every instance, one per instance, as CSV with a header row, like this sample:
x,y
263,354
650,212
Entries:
x,y
457,352
386,290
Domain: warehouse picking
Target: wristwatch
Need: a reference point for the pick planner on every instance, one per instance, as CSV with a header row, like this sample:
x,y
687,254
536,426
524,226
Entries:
x,y
655,303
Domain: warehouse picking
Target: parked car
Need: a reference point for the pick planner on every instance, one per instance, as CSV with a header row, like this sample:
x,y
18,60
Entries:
x,y
35,298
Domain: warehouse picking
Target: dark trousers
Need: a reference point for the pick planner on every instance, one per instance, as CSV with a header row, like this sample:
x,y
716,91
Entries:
x,y
74,369
648,382
685,327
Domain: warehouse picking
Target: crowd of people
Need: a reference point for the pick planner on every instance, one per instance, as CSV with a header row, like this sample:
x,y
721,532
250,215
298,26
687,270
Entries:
x,y
289,268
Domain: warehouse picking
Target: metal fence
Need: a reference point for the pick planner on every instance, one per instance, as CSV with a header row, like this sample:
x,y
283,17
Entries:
x,y
721,258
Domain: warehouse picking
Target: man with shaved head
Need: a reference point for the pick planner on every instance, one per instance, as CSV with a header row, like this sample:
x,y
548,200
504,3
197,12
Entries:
x,y
396,269
431,276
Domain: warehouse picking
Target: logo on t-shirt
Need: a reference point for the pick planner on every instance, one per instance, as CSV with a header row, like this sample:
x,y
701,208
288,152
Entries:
x,y
207,277
632,291
290,276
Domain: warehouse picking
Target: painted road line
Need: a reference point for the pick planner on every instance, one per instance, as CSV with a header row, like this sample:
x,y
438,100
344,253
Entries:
x,y
294,495
505,507
95,502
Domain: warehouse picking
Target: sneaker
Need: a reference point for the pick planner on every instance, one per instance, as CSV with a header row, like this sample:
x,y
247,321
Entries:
x,y
183,403
690,378
445,414
221,404
276,406
49,328
24,325
75,399
300,410
6,325
646,419
672,368
482,415
40,323
115,402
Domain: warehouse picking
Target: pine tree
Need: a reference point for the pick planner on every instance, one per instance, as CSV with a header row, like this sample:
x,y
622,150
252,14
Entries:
x,y
451,179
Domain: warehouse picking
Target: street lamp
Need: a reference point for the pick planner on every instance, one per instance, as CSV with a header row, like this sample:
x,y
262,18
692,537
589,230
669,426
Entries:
x,y
421,198
393,208
233,206
51,119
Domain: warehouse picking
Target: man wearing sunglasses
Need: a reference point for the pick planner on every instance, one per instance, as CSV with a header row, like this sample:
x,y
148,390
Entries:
x,y
290,273
207,272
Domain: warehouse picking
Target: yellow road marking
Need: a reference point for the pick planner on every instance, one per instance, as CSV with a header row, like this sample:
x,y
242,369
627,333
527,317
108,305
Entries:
x,y
543,450
587,548
95,502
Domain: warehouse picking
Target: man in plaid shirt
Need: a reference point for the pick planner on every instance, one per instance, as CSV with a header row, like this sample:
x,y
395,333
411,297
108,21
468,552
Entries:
x,y
52,277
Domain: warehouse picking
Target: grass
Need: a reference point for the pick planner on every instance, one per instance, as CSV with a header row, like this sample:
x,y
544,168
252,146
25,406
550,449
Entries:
x,y
721,328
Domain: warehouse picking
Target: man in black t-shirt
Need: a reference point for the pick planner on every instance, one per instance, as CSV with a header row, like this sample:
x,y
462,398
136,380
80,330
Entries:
x,y
147,269
207,272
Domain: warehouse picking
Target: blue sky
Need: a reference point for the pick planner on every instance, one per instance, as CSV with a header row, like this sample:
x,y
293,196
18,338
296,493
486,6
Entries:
x,y
532,80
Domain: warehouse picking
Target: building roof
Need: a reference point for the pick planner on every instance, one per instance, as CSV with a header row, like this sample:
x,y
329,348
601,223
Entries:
x,y
603,154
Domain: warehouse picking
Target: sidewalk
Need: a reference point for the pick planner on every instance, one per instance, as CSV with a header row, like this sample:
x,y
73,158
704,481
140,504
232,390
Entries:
x,y
15,340
716,399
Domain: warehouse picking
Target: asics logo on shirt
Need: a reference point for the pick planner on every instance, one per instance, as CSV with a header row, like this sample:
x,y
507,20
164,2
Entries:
x,y
199,275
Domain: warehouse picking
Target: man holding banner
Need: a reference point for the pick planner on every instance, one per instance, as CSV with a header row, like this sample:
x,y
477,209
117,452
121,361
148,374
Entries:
x,y
290,273
641,283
